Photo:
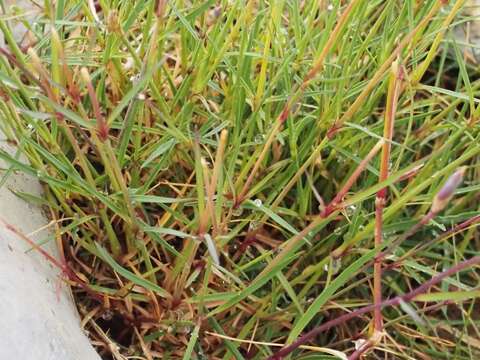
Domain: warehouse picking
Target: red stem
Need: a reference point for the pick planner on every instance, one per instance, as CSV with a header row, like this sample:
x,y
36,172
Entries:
x,y
293,99
391,302
331,207
357,353
394,85
63,267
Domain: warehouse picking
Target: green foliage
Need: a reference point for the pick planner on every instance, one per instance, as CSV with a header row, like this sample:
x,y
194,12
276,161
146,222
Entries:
x,y
183,134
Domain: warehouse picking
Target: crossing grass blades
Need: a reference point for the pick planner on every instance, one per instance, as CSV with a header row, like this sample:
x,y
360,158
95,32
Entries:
x,y
254,179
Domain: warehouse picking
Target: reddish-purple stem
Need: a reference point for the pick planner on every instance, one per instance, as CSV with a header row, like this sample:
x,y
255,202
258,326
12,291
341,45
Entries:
x,y
63,267
391,302
357,353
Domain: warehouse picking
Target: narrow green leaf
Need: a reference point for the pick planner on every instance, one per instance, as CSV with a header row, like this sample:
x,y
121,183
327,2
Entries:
x,y
327,293
187,355
105,255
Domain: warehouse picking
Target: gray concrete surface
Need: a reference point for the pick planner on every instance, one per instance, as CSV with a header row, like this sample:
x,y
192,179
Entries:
x,y
467,34
26,10
38,320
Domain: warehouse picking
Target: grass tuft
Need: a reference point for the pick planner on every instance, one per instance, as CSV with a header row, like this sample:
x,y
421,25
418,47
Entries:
x,y
251,179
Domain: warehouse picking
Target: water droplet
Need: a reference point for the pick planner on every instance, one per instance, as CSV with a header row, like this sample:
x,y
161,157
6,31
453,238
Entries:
x,y
359,343
337,231
178,314
186,330
107,315
411,312
257,202
336,265
259,139
205,162
330,7
238,211
351,209
129,63
253,225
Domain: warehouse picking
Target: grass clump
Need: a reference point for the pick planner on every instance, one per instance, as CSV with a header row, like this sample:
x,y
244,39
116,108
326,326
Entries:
x,y
228,177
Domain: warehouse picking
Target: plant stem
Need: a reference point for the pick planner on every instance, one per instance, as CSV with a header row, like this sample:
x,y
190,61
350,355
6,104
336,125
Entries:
x,y
359,352
353,178
102,141
381,198
457,228
432,53
217,166
329,212
391,302
377,77
63,267
292,100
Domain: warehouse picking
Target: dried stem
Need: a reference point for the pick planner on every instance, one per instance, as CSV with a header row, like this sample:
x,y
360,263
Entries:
x,y
329,212
377,77
297,92
381,198
213,182
102,127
